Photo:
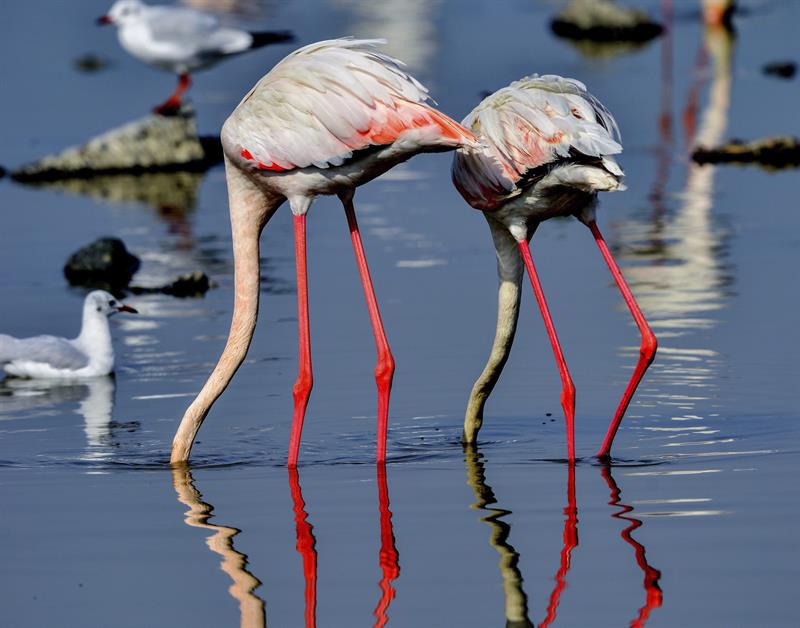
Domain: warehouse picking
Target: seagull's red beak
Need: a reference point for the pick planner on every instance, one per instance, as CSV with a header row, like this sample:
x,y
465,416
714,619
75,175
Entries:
x,y
103,20
126,308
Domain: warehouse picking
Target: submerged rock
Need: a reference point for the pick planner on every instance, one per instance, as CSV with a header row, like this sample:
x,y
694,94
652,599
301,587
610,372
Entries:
x,y
105,264
154,143
781,69
90,63
174,190
772,153
194,284
604,21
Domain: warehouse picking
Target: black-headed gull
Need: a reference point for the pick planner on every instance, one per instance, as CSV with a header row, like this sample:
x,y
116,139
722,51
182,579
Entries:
x,y
89,355
180,40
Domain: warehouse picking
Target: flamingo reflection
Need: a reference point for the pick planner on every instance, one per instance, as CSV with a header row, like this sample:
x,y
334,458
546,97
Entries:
x,y
306,546
515,598
234,563
570,543
653,595
390,566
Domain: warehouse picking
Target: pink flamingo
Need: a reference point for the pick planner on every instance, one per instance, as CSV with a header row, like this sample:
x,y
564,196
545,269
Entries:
x,y
546,146
328,118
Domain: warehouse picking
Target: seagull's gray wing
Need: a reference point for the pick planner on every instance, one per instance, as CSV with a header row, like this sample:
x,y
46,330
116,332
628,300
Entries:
x,y
59,353
180,26
190,30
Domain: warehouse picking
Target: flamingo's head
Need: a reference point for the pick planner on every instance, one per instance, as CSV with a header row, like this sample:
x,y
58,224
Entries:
x,y
122,12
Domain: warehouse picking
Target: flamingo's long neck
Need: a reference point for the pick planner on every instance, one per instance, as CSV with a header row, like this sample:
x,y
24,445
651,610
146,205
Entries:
x,y
509,271
250,209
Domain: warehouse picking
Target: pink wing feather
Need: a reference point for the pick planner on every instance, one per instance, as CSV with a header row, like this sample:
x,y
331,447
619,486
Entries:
x,y
332,98
532,122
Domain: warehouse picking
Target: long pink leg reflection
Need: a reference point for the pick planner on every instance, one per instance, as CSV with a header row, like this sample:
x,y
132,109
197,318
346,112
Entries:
x,y
384,370
390,567
570,543
567,387
306,546
647,350
653,595
305,378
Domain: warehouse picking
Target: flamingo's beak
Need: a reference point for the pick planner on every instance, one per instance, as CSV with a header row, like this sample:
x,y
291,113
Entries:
x,y
126,308
103,20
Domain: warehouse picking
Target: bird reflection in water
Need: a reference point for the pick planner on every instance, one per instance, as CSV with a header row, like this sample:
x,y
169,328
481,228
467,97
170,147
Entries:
x,y
234,563
515,598
653,595
306,546
676,258
390,566
94,395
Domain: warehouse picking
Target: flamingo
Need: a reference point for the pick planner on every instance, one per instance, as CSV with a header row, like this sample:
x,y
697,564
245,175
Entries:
x,y
329,117
546,150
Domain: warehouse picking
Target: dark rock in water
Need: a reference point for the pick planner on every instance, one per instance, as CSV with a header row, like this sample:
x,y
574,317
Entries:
x,y
194,284
781,69
105,263
772,153
90,63
604,21
152,144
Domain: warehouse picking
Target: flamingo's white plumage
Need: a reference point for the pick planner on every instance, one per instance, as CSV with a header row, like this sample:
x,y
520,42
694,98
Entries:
x,y
328,118
546,149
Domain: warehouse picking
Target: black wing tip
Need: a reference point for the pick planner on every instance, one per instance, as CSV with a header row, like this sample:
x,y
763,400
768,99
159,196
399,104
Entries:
x,y
265,38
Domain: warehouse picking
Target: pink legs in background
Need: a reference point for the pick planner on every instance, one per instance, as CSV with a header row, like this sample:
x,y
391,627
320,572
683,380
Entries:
x,y
305,379
567,387
654,596
390,568
647,350
173,103
570,543
384,370
306,546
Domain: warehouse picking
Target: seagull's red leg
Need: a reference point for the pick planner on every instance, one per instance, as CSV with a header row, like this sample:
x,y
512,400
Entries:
x,y
567,387
390,567
647,350
305,379
171,105
306,546
384,370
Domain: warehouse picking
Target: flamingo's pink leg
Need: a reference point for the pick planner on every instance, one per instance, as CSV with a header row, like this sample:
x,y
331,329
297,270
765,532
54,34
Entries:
x,y
384,370
647,350
567,387
305,379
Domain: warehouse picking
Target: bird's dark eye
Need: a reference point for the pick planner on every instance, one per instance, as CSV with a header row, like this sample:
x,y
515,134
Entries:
x,y
99,309
112,303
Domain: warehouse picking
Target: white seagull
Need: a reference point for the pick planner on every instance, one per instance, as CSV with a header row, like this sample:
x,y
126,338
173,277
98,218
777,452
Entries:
x,y
180,40
89,355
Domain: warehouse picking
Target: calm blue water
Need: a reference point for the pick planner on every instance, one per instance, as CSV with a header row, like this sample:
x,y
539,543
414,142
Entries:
x,y
95,529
